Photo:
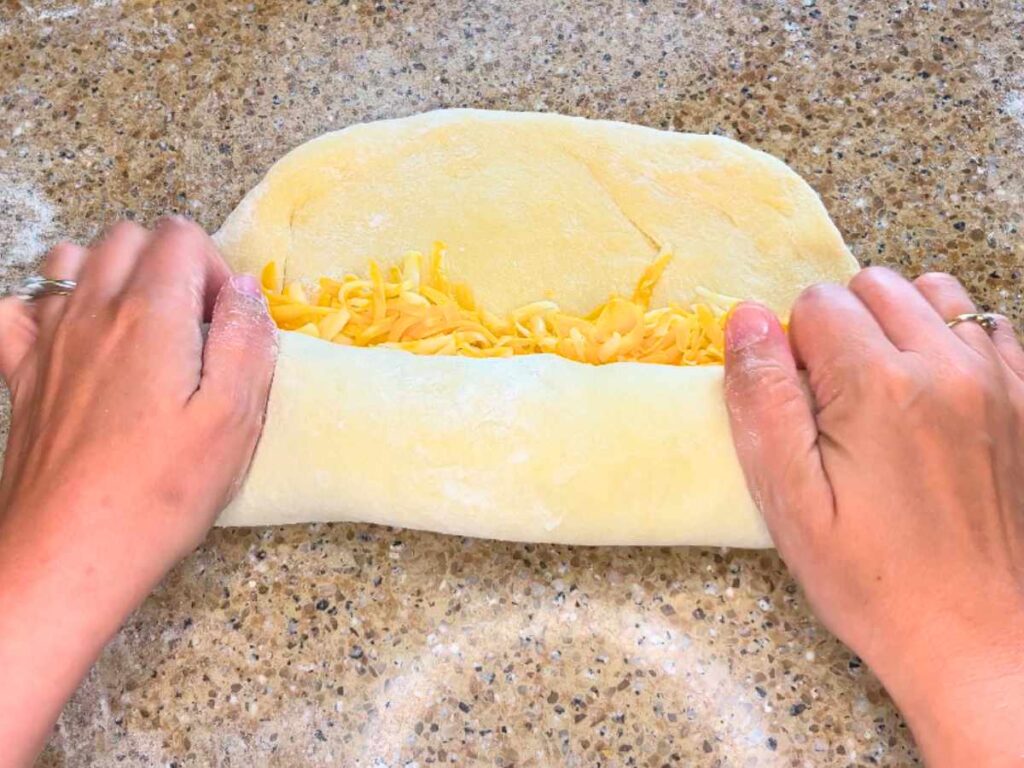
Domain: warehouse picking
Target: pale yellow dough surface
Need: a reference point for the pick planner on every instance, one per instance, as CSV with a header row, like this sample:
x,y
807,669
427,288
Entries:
x,y
532,448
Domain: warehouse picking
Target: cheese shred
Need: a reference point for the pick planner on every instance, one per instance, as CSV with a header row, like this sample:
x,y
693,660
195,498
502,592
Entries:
x,y
416,307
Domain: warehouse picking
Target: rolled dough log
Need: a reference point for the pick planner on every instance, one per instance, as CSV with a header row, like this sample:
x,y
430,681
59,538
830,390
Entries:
x,y
531,448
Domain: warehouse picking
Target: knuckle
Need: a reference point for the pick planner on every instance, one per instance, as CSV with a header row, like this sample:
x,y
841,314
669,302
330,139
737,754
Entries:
x,y
813,300
841,378
124,229
785,394
870,277
847,380
183,238
130,309
969,385
813,294
872,281
772,377
174,220
59,258
62,249
767,380
180,227
133,311
901,384
982,379
235,412
937,282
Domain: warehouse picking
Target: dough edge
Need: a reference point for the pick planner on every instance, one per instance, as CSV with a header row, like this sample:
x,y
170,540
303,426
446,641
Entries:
x,y
738,220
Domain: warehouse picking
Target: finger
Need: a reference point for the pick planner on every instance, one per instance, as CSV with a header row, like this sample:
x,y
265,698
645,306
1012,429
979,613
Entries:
x,y
238,364
241,346
110,261
181,268
17,335
63,262
774,429
906,317
1007,344
950,299
832,332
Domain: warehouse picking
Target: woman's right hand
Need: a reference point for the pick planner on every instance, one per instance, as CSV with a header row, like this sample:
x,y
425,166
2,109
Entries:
x,y
895,493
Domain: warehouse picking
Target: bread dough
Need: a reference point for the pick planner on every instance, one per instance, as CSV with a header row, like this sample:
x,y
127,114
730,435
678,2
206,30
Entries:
x,y
530,448
535,448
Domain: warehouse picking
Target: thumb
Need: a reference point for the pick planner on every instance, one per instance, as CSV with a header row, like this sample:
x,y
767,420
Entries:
x,y
773,427
241,349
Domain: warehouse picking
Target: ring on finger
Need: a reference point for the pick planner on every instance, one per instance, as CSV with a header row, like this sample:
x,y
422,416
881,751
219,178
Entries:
x,y
36,287
989,321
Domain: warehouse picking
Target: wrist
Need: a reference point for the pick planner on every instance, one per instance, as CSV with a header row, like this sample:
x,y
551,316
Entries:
x,y
80,552
71,572
115,536
54,622
961,688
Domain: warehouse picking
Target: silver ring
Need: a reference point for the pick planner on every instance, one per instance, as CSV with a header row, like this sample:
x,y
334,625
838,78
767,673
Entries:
x,y
987,320
35,287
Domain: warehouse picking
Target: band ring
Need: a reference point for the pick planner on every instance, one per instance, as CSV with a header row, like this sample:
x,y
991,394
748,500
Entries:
x,y
36,287
987,320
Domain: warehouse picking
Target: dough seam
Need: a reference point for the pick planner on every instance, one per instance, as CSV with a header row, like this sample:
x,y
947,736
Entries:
x,y
652,241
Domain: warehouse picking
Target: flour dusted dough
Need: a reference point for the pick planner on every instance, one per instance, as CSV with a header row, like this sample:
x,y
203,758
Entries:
x,y
531,206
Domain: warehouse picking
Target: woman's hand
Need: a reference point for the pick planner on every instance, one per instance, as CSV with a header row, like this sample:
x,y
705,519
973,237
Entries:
x,y
129,433
895,494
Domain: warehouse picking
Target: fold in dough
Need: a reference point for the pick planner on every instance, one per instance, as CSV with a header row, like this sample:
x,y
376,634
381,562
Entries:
x,y
530,448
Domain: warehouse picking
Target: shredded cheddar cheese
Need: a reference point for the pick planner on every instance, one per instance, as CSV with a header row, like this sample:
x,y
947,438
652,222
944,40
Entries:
x,y
416,307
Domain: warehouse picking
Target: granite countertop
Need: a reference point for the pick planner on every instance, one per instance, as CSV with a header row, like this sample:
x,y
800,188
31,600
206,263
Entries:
x,y
357,645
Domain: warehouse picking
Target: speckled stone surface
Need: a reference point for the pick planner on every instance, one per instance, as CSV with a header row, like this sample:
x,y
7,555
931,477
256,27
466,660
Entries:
x,y
355,645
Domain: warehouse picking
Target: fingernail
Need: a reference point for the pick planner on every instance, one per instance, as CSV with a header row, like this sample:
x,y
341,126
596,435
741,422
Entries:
x,y
748,324
246,285
170,220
